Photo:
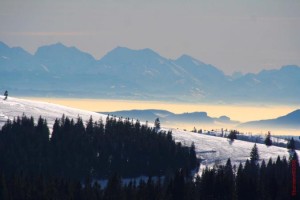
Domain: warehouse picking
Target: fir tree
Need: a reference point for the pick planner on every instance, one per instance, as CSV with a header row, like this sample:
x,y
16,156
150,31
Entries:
x,y
178,186
157,124
291,144
228,180
194,130
254,156
268,140
232,135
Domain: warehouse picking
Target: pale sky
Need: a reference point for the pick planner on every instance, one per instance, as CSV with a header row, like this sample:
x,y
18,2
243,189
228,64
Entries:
x,y
233,35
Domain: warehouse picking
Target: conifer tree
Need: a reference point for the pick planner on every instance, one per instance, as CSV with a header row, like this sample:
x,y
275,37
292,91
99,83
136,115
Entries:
x,y
232,135
157,124
291,144
240,182
193,157
114,188
229,185
254,156
178,187
268,140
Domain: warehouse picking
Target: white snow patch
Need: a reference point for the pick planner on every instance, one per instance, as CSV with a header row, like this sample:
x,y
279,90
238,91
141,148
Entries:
x,y
45,68
4,57
256,81
160,61
107,66
195,62
149,73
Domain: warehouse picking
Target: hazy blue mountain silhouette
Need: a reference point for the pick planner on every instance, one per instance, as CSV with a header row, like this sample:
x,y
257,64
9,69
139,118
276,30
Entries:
x,y
17,59
20,72
280,85
145,71
58,70
59,59
167,117
291,120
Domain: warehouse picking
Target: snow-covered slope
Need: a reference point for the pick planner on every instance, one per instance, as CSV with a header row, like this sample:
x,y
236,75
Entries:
x,y
213,150
14,107
216,150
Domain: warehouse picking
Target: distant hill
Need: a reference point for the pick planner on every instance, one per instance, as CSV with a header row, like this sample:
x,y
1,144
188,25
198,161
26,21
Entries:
x,y
285,123
289,121
171,119
61,71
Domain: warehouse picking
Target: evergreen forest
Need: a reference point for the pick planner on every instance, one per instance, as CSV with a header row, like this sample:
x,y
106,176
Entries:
x,y
66,164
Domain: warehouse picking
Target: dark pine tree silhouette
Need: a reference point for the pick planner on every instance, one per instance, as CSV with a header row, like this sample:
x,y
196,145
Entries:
x,y
232,135
254,156
157,124
268,140
291,144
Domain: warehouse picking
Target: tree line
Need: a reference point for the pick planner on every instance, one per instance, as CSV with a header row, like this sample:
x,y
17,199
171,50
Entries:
x,y
265,181
97,150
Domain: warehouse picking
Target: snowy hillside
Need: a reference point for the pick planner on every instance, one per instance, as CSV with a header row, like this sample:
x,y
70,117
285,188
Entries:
x,y
216,150
14,107
210,148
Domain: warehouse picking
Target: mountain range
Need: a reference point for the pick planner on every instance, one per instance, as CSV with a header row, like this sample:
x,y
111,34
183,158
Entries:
x,y
60,71
170,119
288,122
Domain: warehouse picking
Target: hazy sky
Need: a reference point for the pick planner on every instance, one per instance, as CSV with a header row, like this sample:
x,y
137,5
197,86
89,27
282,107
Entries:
x,y
234,35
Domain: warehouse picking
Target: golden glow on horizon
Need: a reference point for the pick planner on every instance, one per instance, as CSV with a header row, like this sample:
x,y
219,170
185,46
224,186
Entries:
x,y
240,113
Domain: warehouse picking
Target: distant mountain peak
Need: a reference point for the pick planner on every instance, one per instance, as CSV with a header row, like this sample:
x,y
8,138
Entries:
x,y
124,54
289,67
197,67
295,113
58,48
57,45
187,58
16,52
120,49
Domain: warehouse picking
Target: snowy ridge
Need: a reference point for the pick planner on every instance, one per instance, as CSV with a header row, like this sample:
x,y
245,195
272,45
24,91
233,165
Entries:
x,y
212,150
14,107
